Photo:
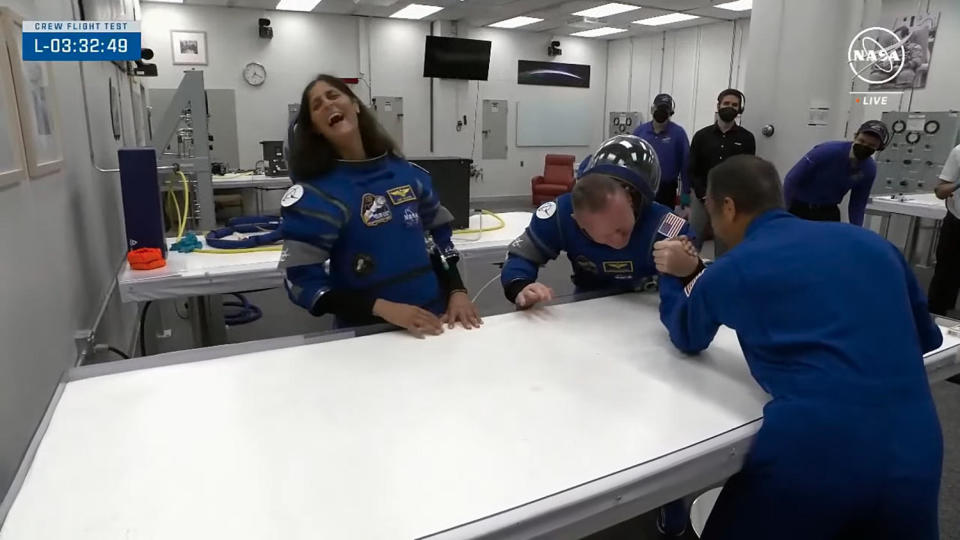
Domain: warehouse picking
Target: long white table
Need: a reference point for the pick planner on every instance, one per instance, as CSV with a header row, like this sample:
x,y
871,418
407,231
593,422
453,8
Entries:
x,y
199,274
550,423
242,181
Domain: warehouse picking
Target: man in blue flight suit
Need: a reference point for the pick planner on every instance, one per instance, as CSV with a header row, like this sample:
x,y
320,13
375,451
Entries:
x,y
834,327
818,182
607,226
673,151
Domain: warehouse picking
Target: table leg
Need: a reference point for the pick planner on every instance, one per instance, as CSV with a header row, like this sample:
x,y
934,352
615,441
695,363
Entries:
x,y
884,224
910,245
206,319
934,239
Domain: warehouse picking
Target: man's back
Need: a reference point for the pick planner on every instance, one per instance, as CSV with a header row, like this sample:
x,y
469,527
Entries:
x,y
830,309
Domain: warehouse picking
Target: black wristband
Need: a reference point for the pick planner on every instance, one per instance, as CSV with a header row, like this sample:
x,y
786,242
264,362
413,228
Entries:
x,y
512,289
700,268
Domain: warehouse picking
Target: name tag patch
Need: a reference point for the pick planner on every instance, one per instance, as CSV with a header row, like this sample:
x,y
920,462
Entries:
x,y
618,267
402,194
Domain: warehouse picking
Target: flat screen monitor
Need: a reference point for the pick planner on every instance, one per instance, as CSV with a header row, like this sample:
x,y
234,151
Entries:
x,y
456,58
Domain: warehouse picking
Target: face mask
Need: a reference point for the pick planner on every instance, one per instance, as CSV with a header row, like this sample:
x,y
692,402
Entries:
x,y
862,151
727,114
661,115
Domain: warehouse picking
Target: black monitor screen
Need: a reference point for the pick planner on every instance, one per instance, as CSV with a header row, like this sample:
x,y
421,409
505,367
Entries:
x,y
456,58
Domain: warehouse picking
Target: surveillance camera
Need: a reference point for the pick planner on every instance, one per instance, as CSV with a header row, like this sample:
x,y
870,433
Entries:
x,y
264,28
146,54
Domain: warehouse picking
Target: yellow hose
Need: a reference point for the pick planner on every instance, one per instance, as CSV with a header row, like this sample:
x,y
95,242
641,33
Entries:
x,y
181,214
501,225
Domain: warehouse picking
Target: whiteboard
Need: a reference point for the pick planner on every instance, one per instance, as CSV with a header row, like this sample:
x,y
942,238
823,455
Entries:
x,y
553,122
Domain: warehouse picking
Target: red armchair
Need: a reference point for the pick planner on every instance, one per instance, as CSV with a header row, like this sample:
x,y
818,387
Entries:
x,y
556,180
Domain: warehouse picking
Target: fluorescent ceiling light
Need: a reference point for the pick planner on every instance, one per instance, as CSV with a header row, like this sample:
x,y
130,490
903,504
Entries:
x,y
597,32
168,1
666,19
606,10
416,11
515,22
297,5
738,5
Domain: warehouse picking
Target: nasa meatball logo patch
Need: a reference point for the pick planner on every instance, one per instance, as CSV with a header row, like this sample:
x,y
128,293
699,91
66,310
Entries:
x,y
294,194
547,210
374,210
411,219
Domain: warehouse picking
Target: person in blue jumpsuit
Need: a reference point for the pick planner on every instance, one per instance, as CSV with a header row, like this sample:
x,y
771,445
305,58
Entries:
x,y
365,237
834,326
673,151
818,182
606,226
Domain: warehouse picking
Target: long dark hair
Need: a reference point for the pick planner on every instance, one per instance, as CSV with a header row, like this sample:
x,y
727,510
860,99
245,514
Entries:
x,y
311,155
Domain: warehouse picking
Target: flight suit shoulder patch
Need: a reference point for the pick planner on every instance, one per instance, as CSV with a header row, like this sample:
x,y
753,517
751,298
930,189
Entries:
x,y
546,210
671,225
292,196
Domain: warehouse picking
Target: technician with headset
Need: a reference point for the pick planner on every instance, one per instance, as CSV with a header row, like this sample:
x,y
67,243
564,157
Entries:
x,y
710,147
673,149
821,179
364,236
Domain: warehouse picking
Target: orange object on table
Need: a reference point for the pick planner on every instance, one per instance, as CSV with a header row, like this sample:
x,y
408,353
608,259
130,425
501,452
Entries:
x,y
146,259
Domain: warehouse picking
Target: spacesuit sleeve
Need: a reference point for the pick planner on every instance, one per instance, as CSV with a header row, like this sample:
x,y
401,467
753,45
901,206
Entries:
x,y
312,222
437,221
797,177
927,331
672,285
690,312
540,243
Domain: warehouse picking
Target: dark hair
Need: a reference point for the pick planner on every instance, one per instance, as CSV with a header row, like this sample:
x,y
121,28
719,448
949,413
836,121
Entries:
x,y
590,192
731,92
752,183
311,155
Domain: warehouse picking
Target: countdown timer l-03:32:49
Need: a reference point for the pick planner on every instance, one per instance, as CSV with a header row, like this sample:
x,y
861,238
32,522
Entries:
x,y
81,40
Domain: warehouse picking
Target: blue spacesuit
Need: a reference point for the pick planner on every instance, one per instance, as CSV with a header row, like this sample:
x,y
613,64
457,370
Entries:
x,y
833,326
597,266
358,234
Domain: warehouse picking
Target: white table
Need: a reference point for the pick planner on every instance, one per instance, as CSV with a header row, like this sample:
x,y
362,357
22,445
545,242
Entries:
x,y
199,274
915,206
520,429
232,181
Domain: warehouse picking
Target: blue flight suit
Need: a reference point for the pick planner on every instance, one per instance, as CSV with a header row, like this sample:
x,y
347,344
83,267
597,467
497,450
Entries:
x,y
596,266
834,327
824,176
366,222
673,153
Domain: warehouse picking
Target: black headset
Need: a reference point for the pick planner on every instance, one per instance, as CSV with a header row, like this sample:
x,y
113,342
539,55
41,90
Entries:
x,y
735,92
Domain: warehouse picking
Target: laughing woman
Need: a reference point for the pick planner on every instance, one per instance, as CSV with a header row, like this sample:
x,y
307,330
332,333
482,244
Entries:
x,y
365,237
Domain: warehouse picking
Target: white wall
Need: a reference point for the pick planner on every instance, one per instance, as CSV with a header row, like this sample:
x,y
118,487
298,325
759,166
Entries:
x,y
511,176
62,238
302,46
691,64
390,54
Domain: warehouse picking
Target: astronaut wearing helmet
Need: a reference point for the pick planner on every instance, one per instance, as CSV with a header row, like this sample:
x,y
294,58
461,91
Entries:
x,y
606,226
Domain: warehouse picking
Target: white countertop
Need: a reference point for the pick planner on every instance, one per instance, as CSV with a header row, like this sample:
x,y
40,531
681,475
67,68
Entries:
x,y
195,274
924,205
383,436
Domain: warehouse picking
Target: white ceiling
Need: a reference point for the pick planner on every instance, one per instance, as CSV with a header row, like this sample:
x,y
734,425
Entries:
x,y
556,14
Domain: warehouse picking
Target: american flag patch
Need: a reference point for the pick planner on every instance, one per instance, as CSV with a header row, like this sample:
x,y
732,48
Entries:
x,y
689,288
671,225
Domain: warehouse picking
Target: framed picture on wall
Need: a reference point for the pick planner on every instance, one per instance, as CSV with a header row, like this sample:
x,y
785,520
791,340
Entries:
x,y
36,100
189,47
13,167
